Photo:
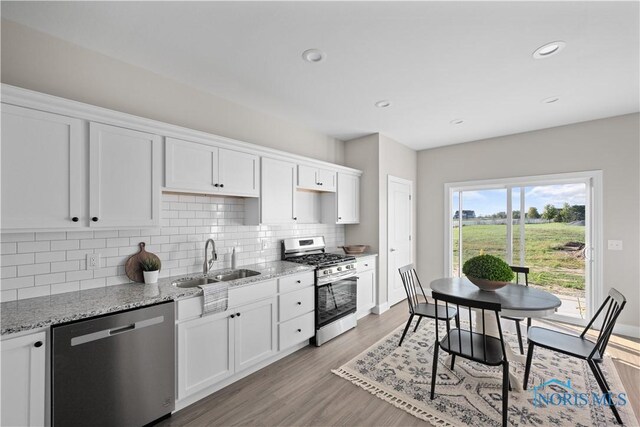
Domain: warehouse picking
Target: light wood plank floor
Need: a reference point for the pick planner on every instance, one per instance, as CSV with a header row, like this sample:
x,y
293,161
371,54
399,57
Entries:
x,y
301,390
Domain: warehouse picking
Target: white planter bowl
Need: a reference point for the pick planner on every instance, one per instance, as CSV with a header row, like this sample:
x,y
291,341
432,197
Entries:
x,y
150,276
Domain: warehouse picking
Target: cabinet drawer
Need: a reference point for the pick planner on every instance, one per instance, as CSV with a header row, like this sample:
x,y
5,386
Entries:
x,y
295,303
250,293
366,263
296,330
296,281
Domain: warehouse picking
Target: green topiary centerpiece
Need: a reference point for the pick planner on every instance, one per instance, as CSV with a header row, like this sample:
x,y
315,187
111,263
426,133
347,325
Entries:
x,y
487,272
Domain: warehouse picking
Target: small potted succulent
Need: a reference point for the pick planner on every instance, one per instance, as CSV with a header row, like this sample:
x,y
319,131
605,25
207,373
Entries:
x,y
150,269
487,272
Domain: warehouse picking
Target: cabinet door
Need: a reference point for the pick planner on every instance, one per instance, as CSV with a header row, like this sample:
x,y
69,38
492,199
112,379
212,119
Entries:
x,y
307,177
42,169
23,380
277,191
327,180
205,352
124,177
348,197
190,166
366,291
239,174
255,330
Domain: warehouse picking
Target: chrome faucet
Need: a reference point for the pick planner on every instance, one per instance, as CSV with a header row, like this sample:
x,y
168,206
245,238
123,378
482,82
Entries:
x,y
208,263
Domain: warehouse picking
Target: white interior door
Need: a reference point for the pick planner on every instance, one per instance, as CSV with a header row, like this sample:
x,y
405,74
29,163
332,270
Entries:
x,y
399,231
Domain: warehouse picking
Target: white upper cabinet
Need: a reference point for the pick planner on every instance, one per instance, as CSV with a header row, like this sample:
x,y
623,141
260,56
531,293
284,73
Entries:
x,y
313,178
43,170
191,166
124,177
348,197
239,173
343,207
278,179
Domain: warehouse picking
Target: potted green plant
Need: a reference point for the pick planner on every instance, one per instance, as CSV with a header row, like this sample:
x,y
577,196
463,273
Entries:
x,y
487,272
150,269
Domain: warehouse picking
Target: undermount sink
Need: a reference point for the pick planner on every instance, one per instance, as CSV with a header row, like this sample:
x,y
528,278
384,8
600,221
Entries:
x,y
236,274
191,282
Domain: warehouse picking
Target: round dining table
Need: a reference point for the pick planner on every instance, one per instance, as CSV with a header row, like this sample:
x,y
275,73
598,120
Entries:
x,y
515,301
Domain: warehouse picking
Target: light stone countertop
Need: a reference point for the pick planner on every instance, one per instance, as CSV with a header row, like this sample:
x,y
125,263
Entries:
x,y
34,313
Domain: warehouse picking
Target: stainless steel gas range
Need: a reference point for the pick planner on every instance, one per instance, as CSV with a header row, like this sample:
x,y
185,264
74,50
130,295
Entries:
x,y
336,285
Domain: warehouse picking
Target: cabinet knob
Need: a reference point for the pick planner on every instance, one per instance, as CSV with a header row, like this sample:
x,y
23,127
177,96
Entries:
x,y
320,183
366,265
74,219
299,330
221,185
38,344
339,217
295,218
232,316
299,303
238,314
298,281
216,185
94,219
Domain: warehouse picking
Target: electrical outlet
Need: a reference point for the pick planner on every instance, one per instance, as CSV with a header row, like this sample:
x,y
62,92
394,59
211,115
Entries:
x,y
265,244
614,245
93,261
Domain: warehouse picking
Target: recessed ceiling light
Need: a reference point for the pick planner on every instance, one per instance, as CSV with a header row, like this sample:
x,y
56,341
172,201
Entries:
x,y
313,55
456,122
382,104
549,49
551,100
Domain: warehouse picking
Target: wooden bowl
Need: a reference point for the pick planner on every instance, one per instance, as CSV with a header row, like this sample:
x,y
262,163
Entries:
x,y
354,249
487,285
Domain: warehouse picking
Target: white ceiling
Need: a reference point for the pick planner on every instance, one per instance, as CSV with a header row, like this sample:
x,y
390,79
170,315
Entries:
x,y
435,61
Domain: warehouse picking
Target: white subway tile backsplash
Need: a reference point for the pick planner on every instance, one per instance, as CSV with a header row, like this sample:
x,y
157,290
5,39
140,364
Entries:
x,y
33,269
65,245
64,266
34,292
48,279
17,259
51,256
187,221
26,247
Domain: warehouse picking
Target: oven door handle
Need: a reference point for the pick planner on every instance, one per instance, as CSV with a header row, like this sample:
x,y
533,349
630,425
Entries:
x,y
328,280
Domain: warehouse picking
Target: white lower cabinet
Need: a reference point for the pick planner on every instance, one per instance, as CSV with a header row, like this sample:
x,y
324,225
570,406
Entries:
x,y
23,380
367,285
255,333
205,352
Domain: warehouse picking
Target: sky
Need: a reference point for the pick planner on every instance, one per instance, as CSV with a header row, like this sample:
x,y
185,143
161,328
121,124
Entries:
x,y
487,202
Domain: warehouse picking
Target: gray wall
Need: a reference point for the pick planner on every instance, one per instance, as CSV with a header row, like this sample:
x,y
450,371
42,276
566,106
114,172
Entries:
x,y
378,156
611,145
37,61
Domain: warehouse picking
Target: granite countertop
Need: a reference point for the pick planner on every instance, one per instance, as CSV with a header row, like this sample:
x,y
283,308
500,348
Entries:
x,y
33,313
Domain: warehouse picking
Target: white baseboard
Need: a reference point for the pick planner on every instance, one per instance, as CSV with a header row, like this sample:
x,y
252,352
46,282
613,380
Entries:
x,y
627,330
380,308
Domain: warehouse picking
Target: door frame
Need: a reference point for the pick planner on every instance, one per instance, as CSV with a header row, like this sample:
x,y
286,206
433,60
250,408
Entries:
x,y
397,180
593,220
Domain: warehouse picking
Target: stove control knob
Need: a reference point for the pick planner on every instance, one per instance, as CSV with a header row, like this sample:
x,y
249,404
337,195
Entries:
x,y
348,267
326,272
339,268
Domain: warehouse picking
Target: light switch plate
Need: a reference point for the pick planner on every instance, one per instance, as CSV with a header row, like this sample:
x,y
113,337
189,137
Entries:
x,y
93,261
614,245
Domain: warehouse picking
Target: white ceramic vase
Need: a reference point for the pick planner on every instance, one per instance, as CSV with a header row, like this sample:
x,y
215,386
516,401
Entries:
x,y
150,276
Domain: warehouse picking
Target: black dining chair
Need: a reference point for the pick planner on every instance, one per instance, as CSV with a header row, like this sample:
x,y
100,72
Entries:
x,y
579,346
421,309
525,271
473,345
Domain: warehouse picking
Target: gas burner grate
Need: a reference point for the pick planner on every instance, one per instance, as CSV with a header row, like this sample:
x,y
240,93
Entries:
x,y
322,259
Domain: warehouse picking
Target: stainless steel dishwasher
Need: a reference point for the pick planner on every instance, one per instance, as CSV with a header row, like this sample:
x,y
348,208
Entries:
x,y
114,370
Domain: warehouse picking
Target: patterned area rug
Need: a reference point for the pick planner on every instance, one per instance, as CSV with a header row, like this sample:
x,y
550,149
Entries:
x,y
471,394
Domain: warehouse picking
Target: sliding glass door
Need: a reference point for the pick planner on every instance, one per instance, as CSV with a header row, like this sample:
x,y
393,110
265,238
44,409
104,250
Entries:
x,y
543,224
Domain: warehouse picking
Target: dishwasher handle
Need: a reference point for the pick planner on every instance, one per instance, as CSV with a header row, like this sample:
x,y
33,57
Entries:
x,y
106,333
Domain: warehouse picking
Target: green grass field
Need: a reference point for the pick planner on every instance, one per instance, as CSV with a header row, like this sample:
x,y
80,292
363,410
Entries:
x,y
550,267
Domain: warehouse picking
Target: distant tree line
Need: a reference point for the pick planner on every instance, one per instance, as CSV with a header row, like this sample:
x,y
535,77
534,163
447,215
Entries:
x,y
567,213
